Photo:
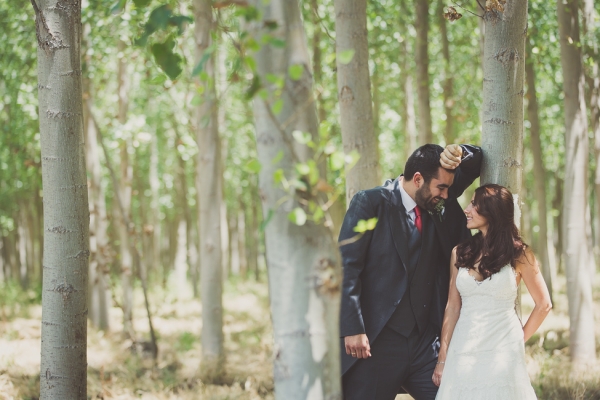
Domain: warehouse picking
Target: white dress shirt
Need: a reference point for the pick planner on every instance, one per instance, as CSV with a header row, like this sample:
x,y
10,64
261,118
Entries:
x,y
408,203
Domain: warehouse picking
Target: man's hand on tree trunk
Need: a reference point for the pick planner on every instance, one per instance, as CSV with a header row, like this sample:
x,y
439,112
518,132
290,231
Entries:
x,y
451,157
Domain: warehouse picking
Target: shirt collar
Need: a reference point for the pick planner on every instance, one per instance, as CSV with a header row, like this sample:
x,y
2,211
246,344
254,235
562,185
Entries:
x,y
407,201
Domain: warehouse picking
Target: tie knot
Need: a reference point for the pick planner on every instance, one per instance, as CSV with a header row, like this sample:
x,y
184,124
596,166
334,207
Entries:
x,y
417,211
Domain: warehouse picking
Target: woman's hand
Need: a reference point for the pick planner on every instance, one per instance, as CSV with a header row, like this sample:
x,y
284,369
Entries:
x,y
437,374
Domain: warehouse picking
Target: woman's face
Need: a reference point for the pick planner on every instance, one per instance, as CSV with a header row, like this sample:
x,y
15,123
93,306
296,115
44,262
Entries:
x,y
474,220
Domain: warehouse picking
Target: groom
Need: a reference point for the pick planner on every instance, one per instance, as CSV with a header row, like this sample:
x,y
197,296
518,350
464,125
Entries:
x,y
396,276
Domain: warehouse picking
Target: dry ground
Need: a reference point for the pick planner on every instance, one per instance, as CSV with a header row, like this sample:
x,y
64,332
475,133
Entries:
x,y
120,369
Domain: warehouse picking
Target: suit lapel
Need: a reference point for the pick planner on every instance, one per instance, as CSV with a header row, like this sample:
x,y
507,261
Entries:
x,y
427,236
400,231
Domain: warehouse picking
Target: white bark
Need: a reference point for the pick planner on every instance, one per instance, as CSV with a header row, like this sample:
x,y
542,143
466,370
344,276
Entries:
x,y
539,175
578,257
503,90
66,214
99,289
354,95
422,60
210,198
303,261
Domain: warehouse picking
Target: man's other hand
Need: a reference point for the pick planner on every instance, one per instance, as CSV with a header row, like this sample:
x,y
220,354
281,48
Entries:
x,y
450,158
357,346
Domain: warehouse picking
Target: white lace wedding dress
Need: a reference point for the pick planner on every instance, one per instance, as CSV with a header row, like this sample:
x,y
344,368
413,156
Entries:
x,y
486,357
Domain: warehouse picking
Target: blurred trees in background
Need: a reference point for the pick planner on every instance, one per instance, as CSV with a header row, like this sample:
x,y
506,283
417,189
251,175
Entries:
x,y
172,112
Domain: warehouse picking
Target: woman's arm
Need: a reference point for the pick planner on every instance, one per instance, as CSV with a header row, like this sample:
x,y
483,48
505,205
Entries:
x,y
528,267
450,317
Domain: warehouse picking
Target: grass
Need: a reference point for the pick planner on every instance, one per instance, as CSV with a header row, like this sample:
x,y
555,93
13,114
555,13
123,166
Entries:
x,y
122,369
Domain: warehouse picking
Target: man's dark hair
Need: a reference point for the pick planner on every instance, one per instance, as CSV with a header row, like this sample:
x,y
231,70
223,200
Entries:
x,y
426,161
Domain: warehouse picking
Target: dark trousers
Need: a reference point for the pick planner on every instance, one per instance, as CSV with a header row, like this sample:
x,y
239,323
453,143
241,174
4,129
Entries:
x,y
396,362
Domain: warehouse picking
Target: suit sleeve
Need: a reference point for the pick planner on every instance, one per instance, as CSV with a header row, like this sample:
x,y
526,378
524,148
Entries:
x,y
354,256
468,171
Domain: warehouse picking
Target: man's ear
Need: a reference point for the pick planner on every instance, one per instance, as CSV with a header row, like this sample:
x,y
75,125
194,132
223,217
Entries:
x,y
418,179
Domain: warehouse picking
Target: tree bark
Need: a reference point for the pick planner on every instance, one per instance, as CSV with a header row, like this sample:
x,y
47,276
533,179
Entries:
x,y
539,172
317,57
578,256
503,90
66,214
593,80
303,260
99,289
407,111
448,86
210,200
354,94
422,60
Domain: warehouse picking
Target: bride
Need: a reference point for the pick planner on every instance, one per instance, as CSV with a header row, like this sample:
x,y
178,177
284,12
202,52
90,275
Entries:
x,y
482,353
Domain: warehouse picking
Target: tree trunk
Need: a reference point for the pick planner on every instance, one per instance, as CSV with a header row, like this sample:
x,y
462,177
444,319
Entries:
x,y
539,172
125,194
317,57
241,228
578,256
210,201
303,260
593,79
448,81
503,81
99,289
407,112
66,214
422,60
354,94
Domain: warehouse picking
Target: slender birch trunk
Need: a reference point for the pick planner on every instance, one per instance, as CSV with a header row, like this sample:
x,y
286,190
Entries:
x,y
422,60
66,213
590,27
317,57
539,172
448,86
99,290
407,112
503,90
578,256
303,261
354,94
210,200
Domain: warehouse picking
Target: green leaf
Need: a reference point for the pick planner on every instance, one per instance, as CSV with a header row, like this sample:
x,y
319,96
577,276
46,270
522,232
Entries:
x,y
278,176
313,173
141,3
197,100
166,59
159,79
263,224
279,43
346,56
318,215
278,157
303,169
277,106
295,71
365,225
297,216
302,137
253,166
118,6
205,57
255,86
337,160
250,62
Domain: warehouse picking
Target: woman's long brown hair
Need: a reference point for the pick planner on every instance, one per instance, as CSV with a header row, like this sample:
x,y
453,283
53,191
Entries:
x,y
502,243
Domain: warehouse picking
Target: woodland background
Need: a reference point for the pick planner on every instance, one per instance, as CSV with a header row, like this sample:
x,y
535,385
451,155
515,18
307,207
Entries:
x,y
143,83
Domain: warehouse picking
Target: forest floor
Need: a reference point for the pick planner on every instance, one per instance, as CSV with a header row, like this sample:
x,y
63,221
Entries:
x,y
121,369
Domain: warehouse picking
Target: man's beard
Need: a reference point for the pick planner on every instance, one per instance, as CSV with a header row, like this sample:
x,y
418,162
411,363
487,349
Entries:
x,y
424,198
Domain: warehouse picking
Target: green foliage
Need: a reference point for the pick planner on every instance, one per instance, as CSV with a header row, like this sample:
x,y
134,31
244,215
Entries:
x,y
346,56
365,225
186,341
167,59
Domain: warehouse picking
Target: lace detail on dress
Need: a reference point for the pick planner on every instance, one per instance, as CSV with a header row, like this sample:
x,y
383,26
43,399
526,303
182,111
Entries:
x,y
486,357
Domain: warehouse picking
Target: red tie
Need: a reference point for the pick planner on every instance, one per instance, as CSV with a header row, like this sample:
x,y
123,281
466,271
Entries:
x,y
418,222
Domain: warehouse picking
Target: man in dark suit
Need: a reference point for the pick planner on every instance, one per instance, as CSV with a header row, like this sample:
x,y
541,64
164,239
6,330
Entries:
x,y
396,276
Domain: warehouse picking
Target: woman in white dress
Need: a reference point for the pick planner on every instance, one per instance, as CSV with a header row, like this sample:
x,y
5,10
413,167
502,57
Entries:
x,y
482,353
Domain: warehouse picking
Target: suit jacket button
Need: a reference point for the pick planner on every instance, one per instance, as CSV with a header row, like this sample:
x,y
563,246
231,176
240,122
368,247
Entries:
x,y
424,305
